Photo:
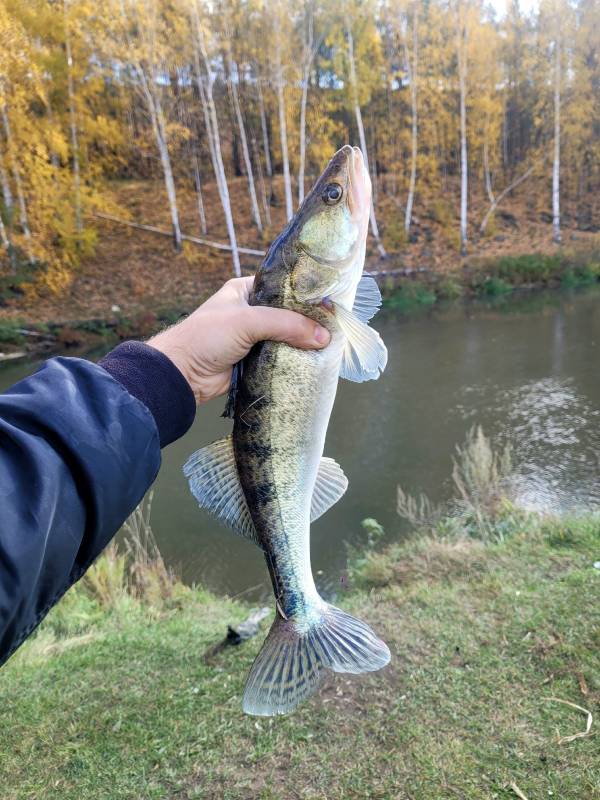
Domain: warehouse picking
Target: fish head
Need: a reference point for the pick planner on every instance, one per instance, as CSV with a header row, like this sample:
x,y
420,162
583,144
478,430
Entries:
x,y
322,250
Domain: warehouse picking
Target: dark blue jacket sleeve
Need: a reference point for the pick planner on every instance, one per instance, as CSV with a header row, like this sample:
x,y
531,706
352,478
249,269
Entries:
x,y
78,450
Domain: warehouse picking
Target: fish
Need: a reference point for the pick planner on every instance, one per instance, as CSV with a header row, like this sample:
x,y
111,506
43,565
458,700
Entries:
x,y
268,480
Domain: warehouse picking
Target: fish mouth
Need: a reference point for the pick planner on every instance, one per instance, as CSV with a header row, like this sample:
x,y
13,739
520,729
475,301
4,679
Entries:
x,y
359,184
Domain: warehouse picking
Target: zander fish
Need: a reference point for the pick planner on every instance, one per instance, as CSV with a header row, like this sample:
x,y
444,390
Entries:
x,y
268,480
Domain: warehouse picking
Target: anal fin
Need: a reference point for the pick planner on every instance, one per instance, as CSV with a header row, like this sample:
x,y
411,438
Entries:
x,y
215,483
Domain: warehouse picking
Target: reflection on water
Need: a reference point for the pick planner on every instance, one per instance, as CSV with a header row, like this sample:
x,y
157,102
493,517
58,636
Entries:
x,y
525,369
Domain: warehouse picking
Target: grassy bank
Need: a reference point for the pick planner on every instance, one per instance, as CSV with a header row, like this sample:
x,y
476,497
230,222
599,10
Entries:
x,y
490,612
483,278
567,268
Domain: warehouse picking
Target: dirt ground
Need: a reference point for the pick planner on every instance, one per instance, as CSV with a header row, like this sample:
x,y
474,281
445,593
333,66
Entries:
x,y
139,271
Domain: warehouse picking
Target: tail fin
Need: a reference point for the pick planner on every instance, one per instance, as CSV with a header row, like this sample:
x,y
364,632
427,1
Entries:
x,y
293,659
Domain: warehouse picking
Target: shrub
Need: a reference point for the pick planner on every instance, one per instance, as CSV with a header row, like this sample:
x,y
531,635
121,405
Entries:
x,y
530,267
409,295
449,289
492,286
10,331
442,213
394,235
482,506
580,275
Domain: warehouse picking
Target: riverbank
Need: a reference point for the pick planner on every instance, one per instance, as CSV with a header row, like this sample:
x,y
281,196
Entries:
x,y
492,615
404,290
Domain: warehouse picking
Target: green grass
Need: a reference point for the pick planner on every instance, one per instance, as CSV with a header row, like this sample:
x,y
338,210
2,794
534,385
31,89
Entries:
x,y
10,331
408,296
492,278
117,702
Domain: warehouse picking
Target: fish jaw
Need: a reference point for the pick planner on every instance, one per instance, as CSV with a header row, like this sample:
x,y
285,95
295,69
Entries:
x,y
359,204
359,194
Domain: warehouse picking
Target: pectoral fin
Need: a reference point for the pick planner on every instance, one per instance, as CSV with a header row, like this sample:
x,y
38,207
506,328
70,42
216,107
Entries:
x,y
365,355
367,300
215,483
330,485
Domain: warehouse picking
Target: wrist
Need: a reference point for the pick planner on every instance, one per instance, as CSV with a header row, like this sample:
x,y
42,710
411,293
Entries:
x,y
151,376
171,347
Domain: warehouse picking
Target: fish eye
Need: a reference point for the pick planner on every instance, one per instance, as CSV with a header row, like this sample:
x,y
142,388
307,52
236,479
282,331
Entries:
x,y
332,194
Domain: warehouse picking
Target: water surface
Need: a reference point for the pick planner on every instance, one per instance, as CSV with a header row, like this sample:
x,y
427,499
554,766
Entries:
x,y
525,368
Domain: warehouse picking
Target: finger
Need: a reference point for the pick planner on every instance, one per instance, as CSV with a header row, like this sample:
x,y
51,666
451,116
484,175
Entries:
x,y
280,325
240,287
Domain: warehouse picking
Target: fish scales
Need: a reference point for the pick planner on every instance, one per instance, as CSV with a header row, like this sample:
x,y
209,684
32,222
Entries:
x,y
279,433
269,479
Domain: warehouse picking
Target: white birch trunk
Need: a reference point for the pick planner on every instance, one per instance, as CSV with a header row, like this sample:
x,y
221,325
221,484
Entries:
x,y
289,205
265,130
308,58
165,160
160,137
4,236
5,242
23,221
212,128
462,84
556,234
361,135
199,198
495,201
412,76
73,124
486,171
6,190
244,141
261,183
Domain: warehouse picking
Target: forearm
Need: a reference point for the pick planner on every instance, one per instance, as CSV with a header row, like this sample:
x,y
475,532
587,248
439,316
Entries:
x,y
79,447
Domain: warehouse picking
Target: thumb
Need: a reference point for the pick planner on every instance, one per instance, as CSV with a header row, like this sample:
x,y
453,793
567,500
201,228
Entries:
x,y
281,325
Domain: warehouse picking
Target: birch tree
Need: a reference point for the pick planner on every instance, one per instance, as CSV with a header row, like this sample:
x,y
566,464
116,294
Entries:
x,y
361,130
145,35
310,48
73,122
5,183
410,29
279,80
233,84
461,38
556,233
204,83
16,173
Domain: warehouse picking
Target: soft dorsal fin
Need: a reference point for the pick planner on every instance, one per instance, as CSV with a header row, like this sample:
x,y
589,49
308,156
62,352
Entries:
x,y
365,355
330,485
215,483
367,300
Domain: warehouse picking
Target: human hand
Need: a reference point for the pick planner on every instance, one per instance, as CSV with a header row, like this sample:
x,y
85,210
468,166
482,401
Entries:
x,y
220,332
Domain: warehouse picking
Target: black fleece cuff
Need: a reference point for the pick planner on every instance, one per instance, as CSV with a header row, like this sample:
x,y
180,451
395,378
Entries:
x,y
154,379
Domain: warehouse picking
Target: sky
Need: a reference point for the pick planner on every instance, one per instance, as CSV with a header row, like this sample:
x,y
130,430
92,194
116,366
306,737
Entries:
x,y
526,6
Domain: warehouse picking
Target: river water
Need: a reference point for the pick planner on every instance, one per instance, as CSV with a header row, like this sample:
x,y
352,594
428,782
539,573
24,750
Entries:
x,y
525,368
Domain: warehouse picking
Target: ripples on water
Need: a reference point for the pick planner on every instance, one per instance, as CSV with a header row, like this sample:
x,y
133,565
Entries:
x,y
529,377
554,432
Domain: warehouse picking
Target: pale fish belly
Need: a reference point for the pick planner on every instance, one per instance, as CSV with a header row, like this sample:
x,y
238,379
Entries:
x,y
303,391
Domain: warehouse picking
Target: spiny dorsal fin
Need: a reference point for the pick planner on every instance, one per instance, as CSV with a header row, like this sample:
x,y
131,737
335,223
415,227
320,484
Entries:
x,y
330,485
236,377
365,355
215,483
